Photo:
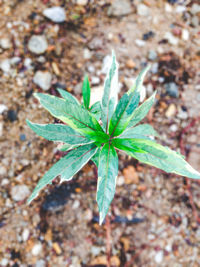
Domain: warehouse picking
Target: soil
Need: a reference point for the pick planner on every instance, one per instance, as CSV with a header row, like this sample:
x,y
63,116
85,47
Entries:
x,y
154,216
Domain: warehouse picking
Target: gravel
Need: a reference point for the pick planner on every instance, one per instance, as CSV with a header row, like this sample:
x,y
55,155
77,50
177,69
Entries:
x,y
43,79
37,44
119,8
172,90
142,10
56,14
20,192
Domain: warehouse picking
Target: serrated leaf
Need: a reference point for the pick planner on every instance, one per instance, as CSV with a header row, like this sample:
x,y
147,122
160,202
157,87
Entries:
x,y
110,93
107,175
158,156
58,132
67,167
140,112
138,131
75,116
86,92
127,104
67,96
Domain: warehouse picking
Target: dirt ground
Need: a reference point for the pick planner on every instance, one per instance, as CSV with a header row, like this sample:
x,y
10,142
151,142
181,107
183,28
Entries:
x,y
155,217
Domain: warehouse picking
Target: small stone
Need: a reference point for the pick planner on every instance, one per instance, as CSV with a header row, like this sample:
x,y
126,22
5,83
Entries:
x,y
56,14
119,8
172,90
152,55
1,128
76,204
15,60
3,171
154,68
195,21
78,89
22,137
173,127
148,35
4,262
168,8
5,66
130,64
57,248
171,111
183,115
12,115
25,234
140,43
87,54
28,63
195,9
19,192
40,263
95,80
37,44
171,38
159,257
130,175
81,2
120,180
180,9
142,10
4,182
5,43
37,249
185,35
43,79
2,108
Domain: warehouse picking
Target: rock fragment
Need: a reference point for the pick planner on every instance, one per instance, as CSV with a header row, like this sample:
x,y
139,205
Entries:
x,y
119,8
19,192
43,79
37,44
56,14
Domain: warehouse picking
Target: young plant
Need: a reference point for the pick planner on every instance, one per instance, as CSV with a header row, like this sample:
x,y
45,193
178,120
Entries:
x,y
96,132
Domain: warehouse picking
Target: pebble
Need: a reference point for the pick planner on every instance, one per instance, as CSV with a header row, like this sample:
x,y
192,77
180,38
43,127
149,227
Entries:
x,y
148,35
142,10
119,8
120,180
185,35
172,89
3,171
4,262
154,68
37,44
43,79
87,54
195,21
5,66
171,111
37,249
56,14
130,64
159,257
3,108
171,38
19,192
5,181
95,80
1,129
140,43
152,55
195,9
78,88
5,43
76,204
168,8
28,63
180,9
12,115
173,127
40,263
25,234
183,115
130,175
82,2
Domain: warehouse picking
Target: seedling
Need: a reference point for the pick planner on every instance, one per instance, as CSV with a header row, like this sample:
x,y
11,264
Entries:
x,y
96,133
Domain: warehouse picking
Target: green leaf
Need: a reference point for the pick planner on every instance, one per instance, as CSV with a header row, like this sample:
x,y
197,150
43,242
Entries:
x,y
138,131
107,175
67,147
127,104
109,98
96,110
68,97
75,116
95,158
86,92
67,167
58,132
140,112
158,156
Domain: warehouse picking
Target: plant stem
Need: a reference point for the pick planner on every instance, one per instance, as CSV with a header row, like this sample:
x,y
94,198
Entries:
x,y
108,240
